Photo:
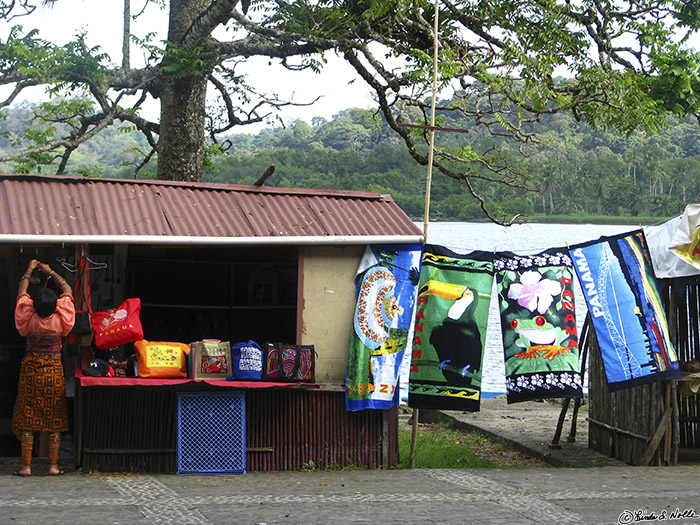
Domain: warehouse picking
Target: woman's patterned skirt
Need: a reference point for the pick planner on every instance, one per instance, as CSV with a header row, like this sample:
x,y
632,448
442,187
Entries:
x,y
41,395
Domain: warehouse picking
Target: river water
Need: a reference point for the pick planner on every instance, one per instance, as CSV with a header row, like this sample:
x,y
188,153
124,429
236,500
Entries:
x,y
464,237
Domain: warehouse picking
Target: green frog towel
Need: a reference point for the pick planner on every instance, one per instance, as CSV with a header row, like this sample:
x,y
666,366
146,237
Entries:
x,y
538,323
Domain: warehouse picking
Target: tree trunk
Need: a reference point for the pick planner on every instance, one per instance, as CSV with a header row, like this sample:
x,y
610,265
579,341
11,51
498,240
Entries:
x,y
182,107
551,201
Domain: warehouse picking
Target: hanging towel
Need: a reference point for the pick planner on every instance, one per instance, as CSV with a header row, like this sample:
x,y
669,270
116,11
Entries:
x,y
387,280
538,324
628,318
450,331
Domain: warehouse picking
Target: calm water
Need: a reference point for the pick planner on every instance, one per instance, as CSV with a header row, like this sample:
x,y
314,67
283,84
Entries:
x,y
464,237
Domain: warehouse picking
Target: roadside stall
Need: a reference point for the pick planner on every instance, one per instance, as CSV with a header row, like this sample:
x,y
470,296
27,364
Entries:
x,y
206,262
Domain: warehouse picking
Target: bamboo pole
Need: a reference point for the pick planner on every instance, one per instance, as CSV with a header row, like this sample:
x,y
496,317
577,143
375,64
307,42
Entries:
x,y
675,426
428,184
431,131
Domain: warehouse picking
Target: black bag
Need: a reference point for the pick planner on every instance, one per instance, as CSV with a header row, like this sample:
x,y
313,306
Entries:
x,y
293,363
82,324
119,361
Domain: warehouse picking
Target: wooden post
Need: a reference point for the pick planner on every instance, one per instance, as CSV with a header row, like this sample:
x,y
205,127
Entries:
x,y
583,343
428,182
571,438
414,435
675,426
667,436
431,132
672,310
386,433
560,423
656,438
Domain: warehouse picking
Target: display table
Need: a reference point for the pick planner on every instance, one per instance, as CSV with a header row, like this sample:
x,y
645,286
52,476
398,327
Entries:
x,y
129,423
87,381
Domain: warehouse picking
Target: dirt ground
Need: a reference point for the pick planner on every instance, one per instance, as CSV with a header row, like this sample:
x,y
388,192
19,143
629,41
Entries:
x,y
505,456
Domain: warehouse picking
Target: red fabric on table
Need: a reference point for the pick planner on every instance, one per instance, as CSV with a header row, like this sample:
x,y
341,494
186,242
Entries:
x,y
147,381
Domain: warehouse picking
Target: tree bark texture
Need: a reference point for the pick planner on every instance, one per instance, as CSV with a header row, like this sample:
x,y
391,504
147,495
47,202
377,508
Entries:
x,y
182,107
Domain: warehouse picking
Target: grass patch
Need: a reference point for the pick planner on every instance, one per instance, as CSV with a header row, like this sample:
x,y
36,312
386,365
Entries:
x,y
439,446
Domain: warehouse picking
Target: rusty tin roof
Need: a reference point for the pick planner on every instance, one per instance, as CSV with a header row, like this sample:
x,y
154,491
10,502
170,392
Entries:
x,y
44,208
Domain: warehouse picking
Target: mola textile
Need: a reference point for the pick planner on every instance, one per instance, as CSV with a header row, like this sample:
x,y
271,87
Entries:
x,y
538,323
686,241
619,285
387,280
450,331
667,264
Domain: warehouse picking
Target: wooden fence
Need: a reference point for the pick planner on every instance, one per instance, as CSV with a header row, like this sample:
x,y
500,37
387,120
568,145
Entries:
x,y
650,424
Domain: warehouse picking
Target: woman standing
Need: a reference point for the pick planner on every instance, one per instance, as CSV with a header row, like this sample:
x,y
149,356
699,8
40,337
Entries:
x,y
41,397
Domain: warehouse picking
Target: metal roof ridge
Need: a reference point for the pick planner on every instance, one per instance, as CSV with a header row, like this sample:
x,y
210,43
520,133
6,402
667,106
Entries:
x,y
217,186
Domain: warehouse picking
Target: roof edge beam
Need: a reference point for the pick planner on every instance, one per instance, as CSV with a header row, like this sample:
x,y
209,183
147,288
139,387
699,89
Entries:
x,y
211,241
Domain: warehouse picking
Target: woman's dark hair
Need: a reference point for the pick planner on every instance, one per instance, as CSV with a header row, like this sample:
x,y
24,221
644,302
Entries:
x,y
45,302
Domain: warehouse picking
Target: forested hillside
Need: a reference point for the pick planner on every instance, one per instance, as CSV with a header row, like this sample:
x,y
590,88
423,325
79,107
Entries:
x,y
573,170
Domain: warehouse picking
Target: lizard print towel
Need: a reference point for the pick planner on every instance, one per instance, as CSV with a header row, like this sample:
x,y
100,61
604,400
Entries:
x,y
386,282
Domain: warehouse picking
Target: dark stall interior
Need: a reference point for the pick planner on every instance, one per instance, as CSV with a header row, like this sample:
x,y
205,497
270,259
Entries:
x,y
233,294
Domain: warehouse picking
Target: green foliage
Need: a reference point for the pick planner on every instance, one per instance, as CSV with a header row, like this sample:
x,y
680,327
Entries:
x,y
677,86
309,465
33,162
95,171
211,151
629,71
67,111
61,67
182,62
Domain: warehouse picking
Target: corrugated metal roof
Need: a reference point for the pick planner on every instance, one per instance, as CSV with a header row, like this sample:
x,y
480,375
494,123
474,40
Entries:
x,y
40,208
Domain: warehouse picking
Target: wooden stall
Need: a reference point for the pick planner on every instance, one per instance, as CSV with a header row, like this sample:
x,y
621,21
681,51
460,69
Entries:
x,y
234,263
658,423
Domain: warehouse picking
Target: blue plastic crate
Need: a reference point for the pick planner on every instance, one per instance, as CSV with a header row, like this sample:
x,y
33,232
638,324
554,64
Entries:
x,y
211,433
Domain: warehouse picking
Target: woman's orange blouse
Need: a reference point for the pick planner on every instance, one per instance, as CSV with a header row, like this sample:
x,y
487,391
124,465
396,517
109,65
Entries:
x,y
28,321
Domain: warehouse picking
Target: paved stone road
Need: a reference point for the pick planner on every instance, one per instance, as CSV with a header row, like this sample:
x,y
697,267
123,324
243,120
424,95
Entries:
x,y
493,496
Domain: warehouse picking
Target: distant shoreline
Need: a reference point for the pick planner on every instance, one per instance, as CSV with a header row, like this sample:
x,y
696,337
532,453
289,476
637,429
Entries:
x,y
597,219
573,219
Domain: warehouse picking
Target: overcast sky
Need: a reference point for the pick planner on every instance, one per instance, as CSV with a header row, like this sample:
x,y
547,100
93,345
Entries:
x,y
102,20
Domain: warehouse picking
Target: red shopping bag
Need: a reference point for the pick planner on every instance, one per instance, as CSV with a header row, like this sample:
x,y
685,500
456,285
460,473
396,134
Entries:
x,y
118,326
